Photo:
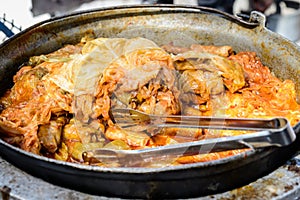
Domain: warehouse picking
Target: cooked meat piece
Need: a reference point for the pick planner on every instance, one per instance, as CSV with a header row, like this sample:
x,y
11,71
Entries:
x,y
78,137
200,82
231,71
224,51
136,139
170,48
137,77
83,107
192,99
50,134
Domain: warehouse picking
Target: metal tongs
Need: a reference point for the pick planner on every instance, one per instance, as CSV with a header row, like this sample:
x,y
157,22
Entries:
x,y
268,132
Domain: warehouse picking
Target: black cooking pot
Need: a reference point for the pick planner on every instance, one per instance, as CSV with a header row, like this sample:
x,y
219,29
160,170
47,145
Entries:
x,y
183,25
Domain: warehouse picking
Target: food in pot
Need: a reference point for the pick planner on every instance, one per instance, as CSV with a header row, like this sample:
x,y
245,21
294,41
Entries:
x,y
60,104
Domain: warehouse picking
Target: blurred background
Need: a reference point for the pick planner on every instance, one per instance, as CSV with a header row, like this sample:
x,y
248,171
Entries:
x,y
283,16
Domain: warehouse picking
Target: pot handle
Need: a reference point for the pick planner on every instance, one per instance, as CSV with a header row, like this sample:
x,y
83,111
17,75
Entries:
x,y
256,19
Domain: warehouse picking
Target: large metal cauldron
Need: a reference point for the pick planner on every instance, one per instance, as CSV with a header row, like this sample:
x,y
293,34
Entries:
x,y
182,25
